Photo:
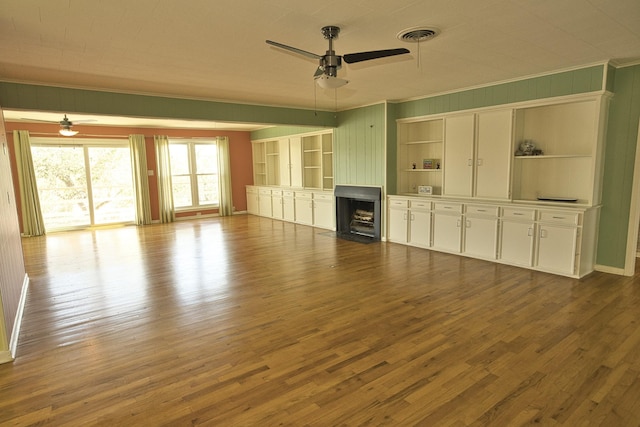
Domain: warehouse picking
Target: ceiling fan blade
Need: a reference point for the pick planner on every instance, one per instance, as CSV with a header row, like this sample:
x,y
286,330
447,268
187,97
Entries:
x,y
351,58
84,121
319,72
294,49
38,120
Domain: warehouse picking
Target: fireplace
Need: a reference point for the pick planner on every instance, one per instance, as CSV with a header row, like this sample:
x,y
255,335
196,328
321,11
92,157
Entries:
x,y
358,212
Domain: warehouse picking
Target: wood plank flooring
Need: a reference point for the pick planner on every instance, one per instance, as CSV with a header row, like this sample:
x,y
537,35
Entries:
x,y
245,321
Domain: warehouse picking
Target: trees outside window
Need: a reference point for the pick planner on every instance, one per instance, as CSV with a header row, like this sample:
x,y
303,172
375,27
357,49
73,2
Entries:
x,y
84,184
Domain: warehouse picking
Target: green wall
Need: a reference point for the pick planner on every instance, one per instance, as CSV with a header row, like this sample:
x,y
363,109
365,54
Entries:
x,y
48,98
572,82
359,146
619,158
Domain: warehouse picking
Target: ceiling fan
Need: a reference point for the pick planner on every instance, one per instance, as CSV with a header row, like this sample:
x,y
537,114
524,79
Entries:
x,y
65,125
327,73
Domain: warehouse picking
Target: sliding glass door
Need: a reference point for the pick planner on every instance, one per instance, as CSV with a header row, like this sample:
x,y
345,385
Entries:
x,y
84,184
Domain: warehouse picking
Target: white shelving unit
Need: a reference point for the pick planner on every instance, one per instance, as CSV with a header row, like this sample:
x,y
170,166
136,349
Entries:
x,y
417,141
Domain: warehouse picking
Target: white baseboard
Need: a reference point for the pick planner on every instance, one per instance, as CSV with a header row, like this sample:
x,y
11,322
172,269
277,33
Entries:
x,y
15,334
607,269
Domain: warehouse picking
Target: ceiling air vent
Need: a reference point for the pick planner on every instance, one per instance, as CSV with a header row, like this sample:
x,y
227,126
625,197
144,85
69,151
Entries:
x,y
417,34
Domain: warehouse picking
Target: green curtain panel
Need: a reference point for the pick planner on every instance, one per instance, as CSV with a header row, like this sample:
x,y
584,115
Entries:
x,y
140,179
32,221
165,187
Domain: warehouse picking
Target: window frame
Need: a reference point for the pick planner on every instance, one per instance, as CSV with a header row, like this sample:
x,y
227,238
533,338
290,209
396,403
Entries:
x,y
194,174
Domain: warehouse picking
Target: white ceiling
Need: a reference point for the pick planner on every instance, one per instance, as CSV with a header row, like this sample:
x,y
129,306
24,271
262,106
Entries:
x,y
216,49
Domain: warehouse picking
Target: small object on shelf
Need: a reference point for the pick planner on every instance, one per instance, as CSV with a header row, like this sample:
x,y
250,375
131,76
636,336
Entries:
x,y
426,190
527,148
413,165
430,163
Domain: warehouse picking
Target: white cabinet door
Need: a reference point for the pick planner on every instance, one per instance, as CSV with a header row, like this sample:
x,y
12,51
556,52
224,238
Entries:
x,y
288,209
264,200
447,231
516,242
304,208
481,237
290,162
285,163
252,201
458,155
557,248
420,228
398,225
324,214
295,159
493,154
276,207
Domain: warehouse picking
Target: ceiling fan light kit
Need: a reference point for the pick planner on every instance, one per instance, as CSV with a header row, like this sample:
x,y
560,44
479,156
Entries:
x,y
326,75
330,82
66,131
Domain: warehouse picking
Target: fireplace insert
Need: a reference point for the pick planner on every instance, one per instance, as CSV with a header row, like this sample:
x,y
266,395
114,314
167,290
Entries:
x,y
358,212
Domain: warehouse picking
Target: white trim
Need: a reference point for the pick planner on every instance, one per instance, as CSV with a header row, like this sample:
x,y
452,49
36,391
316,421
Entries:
x,y
323,131
608,269
15,334
540,102
634,215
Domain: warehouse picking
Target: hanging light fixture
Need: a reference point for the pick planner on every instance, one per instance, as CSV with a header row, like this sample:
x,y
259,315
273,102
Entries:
x,y
330,82
66,131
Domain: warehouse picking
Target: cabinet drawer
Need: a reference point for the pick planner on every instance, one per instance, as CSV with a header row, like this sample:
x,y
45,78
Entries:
x,y
277,193
398,203
560,217
518,213
318,196
448,207
265,192
302,195
418,204
287,193
252,190
482,210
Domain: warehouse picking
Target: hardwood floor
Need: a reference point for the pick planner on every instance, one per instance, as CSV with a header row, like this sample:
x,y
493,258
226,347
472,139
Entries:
x,y
245,321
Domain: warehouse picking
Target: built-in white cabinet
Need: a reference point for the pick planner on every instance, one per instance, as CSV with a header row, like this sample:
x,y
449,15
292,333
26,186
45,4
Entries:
x,y
477,154
419,223
303,202
554,240
288,206
277,204
298,161
253,206
409,221
481,231
557,151
324,213
314,208
447,226
419,152
264,201
517,228
290,165
398,220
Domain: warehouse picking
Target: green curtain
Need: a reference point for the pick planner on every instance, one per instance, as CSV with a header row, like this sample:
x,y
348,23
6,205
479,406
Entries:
x,y
140,179
225,195
32,221
165,187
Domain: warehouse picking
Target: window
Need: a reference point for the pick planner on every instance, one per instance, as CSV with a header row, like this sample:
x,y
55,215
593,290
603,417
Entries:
x,y
194,173
85,183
